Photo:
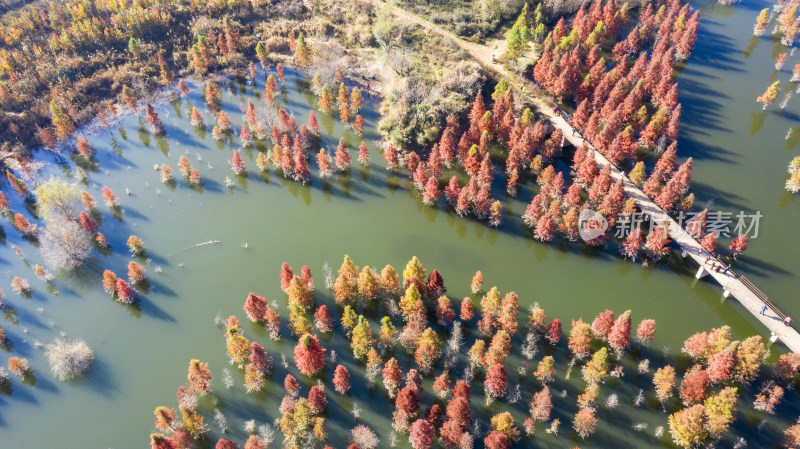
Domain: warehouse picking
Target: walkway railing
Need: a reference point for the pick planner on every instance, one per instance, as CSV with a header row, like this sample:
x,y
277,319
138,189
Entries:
x,y
753,289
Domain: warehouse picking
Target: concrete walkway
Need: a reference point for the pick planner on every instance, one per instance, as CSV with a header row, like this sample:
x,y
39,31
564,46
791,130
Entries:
x,y
691,247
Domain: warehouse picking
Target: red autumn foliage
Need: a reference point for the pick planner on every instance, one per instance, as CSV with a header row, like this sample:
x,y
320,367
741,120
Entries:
x,y
286,276
738,245
788,365
496,440
421,434
323,319
496,381
434,416
408,400
237,164
135,273
444,312
467,310
441,385
88,223
341,379
721,366
694,386
125,292
317,399
291,385
541,405
226,444
458,411
309,355
646,331
620,335
553,333
258,357
255,307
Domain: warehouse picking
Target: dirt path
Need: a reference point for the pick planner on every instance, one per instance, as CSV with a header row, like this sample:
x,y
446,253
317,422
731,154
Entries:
x,y
690,247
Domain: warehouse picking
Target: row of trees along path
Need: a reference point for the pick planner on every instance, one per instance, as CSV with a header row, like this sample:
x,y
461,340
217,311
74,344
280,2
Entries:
x,y
752,299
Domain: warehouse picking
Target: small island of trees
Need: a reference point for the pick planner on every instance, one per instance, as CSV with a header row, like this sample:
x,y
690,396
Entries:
x,y
416,333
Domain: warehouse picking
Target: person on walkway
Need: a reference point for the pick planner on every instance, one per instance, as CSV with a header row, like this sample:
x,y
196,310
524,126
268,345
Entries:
x,y
787,321
726,270
764,310
367,86
707,259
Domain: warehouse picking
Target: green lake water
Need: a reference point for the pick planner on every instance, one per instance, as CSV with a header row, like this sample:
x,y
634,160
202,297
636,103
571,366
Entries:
x,y
143,353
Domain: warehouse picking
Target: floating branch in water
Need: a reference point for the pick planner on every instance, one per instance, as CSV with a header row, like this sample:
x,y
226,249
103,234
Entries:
x,y
194,246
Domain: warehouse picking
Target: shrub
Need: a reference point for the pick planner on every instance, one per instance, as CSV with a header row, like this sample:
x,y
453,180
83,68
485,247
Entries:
x,y
69,359
65,245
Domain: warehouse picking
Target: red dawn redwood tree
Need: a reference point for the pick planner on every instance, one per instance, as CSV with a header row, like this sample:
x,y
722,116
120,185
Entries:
x,y
291,385
259,358
342,157
541,405
392,376
223,443
286,276
788,365
444,311
441,385
363,152
317,399
421,434
646,331
633,242
738,245
159,441
87,223
136,273
496,440
323,319
431,192
341,379
553,333
721,366
657,244
309,355
467,311
694,386
496,381
254,442
255,307
580,338
602,324
313,124
199,377
125,293
408,400
585,421
620,335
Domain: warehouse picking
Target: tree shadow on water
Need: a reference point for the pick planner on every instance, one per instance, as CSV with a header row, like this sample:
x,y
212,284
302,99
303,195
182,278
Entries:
x,y
717,51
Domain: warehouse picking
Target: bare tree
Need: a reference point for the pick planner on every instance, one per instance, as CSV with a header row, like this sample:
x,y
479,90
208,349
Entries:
x,y
65,245
330,57
69,359
364,437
